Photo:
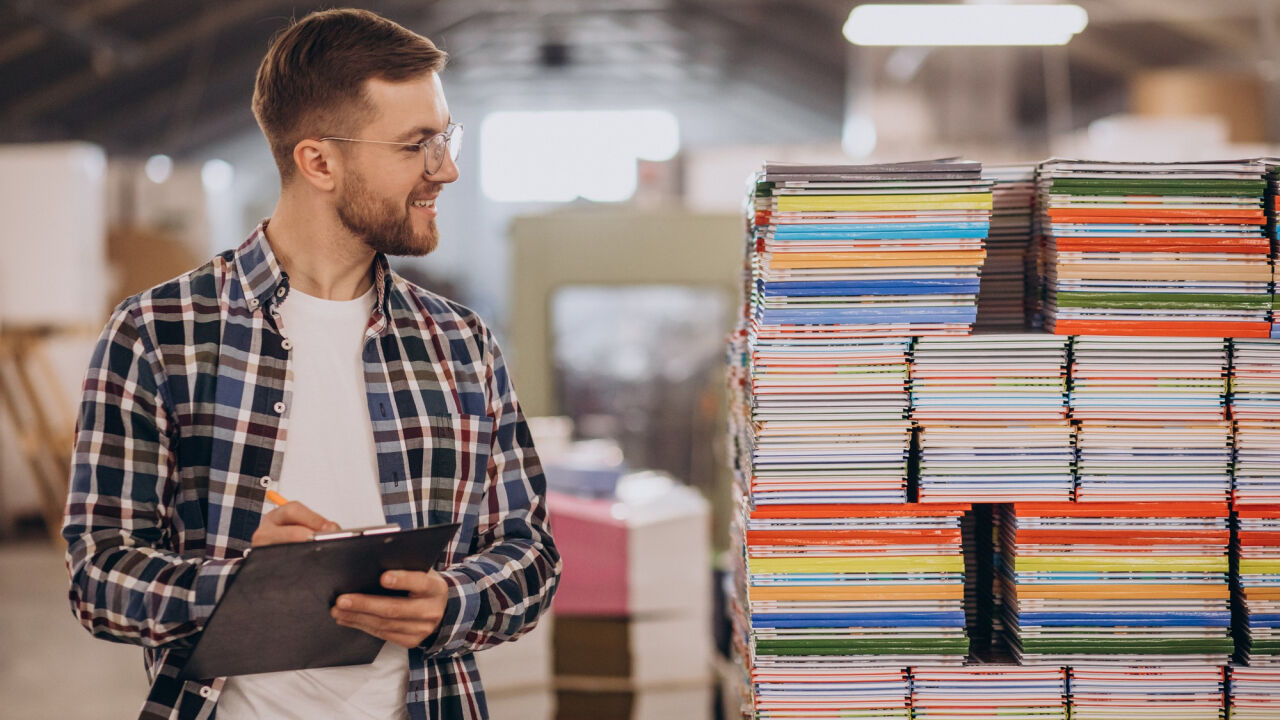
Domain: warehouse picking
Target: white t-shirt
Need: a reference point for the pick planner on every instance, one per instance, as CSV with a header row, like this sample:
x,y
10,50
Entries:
x,y
330,466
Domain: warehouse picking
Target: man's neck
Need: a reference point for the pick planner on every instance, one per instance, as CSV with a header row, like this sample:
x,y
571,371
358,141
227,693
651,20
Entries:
x,y
321,257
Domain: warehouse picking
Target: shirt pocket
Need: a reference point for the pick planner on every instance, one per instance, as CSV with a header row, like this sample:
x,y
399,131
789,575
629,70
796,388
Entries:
x,y
452,468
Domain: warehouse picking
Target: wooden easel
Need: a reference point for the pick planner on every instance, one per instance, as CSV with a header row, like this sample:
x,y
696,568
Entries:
x,y
44,417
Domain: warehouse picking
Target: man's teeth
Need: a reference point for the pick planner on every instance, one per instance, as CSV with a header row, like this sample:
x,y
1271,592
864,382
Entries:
x,y
424,203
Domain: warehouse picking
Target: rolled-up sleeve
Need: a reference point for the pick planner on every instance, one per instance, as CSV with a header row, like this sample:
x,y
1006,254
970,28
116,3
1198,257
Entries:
x,y
507,583
127,582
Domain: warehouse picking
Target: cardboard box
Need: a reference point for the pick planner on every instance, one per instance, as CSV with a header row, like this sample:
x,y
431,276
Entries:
x,y
646,552
641,651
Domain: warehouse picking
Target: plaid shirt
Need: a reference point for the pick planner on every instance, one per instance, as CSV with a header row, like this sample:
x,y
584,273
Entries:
x,y
182,429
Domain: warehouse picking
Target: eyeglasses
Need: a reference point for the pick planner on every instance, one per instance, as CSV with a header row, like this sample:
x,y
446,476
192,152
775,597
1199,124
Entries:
x,y
433,149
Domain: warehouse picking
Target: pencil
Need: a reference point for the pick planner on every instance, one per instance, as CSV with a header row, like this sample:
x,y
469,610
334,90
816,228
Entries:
x,y
276,498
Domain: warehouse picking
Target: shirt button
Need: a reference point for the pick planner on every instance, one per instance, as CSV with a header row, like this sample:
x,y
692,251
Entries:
x,y
265,481
205,691
286,344
279,407
253,302
281,291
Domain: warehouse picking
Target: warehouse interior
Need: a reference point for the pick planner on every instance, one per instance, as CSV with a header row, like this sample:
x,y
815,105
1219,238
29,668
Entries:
x,y
597,226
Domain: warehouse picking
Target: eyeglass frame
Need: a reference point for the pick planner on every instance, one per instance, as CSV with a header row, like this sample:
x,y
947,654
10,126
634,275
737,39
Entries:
x,y
446,138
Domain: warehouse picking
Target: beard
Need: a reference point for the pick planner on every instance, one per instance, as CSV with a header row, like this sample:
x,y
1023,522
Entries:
x,y
381,224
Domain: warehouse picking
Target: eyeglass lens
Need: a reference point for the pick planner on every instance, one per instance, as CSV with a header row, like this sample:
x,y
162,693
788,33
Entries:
x,y
450,142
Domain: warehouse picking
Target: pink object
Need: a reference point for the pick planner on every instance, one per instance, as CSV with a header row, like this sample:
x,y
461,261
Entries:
x,y
593,546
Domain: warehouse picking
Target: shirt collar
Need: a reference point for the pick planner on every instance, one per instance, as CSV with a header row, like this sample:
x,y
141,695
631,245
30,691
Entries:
x,y
265,283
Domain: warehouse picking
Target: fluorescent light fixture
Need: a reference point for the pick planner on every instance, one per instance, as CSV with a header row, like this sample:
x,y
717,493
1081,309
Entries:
x,y
964,24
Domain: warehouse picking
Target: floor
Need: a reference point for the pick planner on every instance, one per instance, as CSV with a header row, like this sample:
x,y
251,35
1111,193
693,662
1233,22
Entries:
x,y
50,667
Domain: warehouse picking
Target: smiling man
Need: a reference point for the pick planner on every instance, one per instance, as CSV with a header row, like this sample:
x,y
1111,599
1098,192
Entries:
x,y
301,362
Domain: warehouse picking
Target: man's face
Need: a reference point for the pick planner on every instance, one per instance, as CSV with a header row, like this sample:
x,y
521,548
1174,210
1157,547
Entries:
x,y
385,198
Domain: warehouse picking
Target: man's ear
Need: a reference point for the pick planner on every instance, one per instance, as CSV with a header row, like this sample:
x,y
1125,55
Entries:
x,y
317,163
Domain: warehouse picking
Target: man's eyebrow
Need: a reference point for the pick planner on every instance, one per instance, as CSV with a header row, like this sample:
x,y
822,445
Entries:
x,y
422,131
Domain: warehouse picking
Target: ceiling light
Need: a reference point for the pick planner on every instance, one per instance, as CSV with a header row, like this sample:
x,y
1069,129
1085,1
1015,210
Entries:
x,y
158,168
964,24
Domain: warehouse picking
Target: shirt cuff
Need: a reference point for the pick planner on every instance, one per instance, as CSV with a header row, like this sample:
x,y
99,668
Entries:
x,y
211,581
460,612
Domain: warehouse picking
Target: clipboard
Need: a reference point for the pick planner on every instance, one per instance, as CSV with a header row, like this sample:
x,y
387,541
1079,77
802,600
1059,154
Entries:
x,y
274,615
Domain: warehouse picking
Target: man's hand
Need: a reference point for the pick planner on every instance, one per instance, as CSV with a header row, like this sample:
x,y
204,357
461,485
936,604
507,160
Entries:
x,y
291,522
405,621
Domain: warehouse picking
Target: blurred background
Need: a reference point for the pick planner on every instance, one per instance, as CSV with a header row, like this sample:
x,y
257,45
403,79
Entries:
x,y
596,226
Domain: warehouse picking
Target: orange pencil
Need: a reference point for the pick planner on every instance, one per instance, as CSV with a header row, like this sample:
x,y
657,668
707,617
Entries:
x,y
276,498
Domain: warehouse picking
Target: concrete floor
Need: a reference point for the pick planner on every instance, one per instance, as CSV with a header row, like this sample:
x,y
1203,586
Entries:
x,y
50,667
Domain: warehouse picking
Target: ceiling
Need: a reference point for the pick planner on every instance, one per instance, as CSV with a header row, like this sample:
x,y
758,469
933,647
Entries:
x,y
145,76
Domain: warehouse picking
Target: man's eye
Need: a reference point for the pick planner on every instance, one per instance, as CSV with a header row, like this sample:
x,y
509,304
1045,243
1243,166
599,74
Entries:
x,y
412,148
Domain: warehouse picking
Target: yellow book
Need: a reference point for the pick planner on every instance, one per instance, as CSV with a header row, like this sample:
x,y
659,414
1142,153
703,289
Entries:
x,y
1050,563
853,260
948,201
1259,567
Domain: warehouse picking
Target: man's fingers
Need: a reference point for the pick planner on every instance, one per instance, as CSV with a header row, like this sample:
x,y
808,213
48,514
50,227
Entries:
x,y
277,534
417,584
388,607
381,626
295,513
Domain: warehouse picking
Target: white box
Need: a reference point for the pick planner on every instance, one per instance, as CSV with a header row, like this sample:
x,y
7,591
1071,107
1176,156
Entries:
x,y
53,239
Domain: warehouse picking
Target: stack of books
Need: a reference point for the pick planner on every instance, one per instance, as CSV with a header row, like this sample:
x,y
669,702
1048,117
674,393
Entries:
x,y
831,592
1255,407
992,416
1122,583
1257,583
870,249
1155,248
1151,415
828,421
1002,297
989,691
1255,693
1148,693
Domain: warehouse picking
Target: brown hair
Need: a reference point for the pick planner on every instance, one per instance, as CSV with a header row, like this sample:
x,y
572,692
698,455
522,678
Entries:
x,y
311,82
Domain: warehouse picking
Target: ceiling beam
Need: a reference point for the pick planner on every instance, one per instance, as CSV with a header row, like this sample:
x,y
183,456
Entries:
x,y
33,38
216,17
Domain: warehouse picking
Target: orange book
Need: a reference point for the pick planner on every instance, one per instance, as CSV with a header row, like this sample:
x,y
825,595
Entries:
x,y
1258,246
1122,537
1167,328
835,593
1125,592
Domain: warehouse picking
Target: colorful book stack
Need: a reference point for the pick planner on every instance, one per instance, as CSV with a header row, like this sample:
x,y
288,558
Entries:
x,y
992,416
883,250
1149,693
837,594
985,691
1257,586
1151,418
828,421
1155,248
1255,693
861,691
1117,583
1273,233
1002,301
1255,406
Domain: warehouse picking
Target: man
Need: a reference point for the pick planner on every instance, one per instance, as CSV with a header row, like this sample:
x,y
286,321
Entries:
x,y
394,402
